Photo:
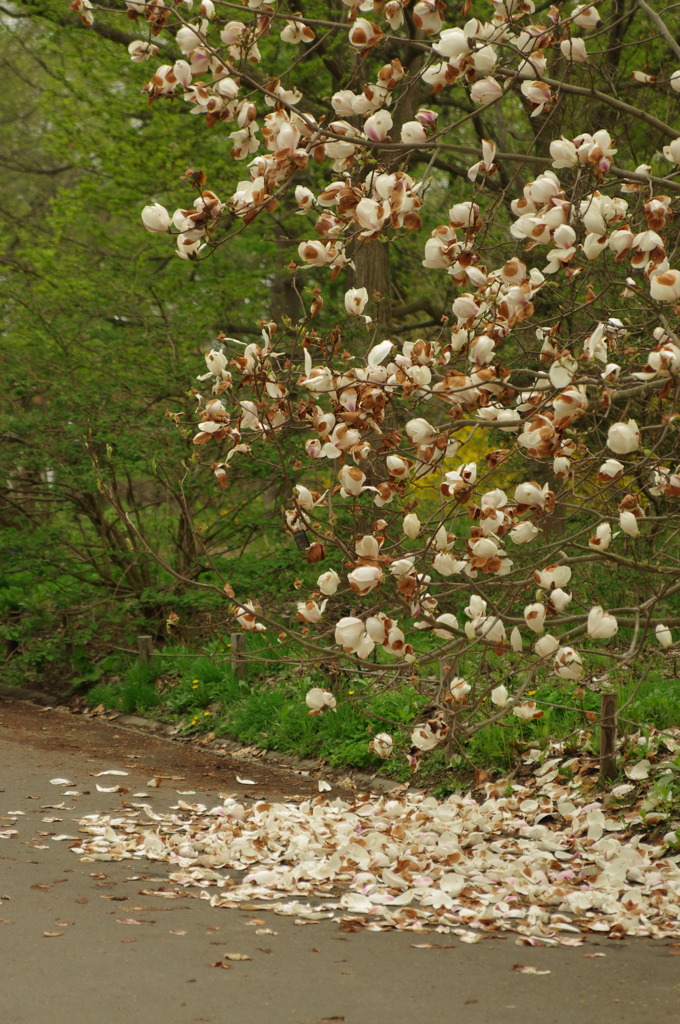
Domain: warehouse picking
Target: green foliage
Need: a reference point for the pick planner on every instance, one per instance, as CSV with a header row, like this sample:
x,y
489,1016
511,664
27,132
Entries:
x,y
133,693
100,336
201,694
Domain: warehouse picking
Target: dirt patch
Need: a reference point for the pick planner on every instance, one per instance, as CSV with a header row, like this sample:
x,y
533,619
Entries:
x,y
52,729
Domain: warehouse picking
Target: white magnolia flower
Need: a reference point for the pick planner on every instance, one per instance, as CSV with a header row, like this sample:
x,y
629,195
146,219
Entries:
x,y
188,37
499,696
411,525
574,49
567,664
371,214
611,373
672,151
490,499
623,438
485,547
443,540
527,711
419,431
459,688
310,611
319,700
453,42
563,153
594,244
534,616
546,646
365,647
395,643
447,619
629,524
664,635
486,90
365,578
342,103
516,640
378,125
476,607
586,16
216,362
524,532
559,599
402,567
355,300
426,16
348,633
601,625
156,218
413,133
377,627
304,497
304,197
245,616
493,630
328,582
379,353
382,745
665,286
367,546
364,33
429,735
314,253
610,471
447,564
553,576
140,50
351,480
394,14
537,93
297,32
398,467
531,494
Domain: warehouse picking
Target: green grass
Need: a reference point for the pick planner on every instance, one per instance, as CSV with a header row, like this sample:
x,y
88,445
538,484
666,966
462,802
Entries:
x,y
200,694
133,693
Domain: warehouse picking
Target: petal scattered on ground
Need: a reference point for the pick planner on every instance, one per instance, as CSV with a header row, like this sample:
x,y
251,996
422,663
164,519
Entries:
x,y
543,859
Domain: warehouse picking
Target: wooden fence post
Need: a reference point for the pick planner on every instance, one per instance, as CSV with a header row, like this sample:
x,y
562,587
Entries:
x,y
448,668
145,649
238,652
444,673
608,737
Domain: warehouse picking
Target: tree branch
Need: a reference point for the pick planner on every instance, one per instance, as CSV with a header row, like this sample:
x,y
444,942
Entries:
x,y
36,10
603,97
653,16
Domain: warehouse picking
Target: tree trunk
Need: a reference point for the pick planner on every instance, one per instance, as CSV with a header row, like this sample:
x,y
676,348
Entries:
x,y
283,300
372,259
372,272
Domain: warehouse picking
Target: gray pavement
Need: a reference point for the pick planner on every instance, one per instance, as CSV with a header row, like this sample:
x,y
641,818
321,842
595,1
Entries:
x,y
101,969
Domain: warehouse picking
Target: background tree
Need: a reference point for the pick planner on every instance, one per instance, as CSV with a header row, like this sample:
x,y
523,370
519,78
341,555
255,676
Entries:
x,y
99,340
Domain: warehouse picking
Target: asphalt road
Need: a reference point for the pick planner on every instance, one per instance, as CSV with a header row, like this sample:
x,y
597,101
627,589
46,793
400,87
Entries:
x,y
69,953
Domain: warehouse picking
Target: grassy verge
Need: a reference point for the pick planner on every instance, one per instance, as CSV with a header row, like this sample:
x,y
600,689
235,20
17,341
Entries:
x,y
199,695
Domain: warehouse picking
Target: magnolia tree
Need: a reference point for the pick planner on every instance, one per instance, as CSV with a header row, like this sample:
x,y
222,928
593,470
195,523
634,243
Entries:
x,y
469,491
